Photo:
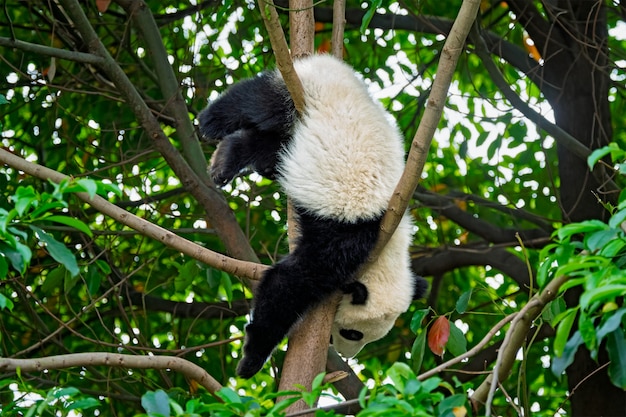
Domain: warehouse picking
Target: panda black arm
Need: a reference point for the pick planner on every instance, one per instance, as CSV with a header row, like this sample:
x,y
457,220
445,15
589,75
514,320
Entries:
x,y
358,291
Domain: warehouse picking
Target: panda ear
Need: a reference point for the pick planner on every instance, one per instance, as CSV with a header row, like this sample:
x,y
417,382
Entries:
x,y
420,287
358,290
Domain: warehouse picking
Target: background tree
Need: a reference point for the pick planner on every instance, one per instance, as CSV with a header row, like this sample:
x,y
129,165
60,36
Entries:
x,y
533,95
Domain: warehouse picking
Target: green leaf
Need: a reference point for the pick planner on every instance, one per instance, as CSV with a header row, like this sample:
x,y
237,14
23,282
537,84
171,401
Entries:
x,y
597,240
6,303
90,186
448,403
54,280
457,344
566,320
588,331
4,267
616,346
71,222
560,363
416,320
63,392
367,17
598,154
417,351
586,226
493,148
613,248
553,310
156,402
24,197
543,273
227,285
47,207
6,218
610,324
19,255
105,187
602,294
58,251
617,219
463,301
317,381
399,373
186,274
363,396
587,264
229,396
482,137
93,278
103,266
83,404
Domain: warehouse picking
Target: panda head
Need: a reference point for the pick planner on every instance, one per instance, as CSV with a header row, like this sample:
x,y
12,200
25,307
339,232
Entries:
x,y
350,334
367,313
363,316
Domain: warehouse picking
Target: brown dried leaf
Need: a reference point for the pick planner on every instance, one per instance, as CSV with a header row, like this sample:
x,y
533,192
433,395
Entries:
x,y
438,335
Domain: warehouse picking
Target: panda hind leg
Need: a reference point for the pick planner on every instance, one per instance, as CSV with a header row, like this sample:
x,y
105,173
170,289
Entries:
x,y
279,303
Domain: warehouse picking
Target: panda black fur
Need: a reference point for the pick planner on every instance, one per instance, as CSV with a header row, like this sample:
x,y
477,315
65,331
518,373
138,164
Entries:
x,y
339,164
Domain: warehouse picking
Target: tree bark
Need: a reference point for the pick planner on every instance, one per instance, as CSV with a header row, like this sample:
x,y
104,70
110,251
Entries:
x,y
575,71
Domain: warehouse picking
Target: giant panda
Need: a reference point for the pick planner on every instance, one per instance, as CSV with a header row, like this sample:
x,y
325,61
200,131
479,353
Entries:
x,y
338,162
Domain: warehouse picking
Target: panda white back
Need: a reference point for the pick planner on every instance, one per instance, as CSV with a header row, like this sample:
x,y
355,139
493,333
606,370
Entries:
x,y
346,154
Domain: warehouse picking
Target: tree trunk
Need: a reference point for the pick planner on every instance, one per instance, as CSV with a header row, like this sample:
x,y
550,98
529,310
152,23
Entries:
x,y
575,73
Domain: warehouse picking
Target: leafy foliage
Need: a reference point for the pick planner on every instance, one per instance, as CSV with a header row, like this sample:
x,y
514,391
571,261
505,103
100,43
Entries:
x,y
486,212
593,254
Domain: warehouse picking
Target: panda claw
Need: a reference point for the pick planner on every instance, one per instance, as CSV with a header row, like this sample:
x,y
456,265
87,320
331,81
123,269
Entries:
x,y
250,365
219,180
219,176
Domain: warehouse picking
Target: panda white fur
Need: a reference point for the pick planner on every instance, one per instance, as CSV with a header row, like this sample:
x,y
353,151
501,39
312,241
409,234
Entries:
x,y
339,163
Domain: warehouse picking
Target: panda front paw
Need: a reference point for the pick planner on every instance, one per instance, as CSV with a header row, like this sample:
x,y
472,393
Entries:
x,y
249,365
220,178
222,169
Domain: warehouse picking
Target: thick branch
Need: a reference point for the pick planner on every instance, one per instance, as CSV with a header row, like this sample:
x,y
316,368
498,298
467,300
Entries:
x,y
515,337
116,360
561,136
168,84
339,25
454,45
234,266
212,200
486,230
308,341
451,258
